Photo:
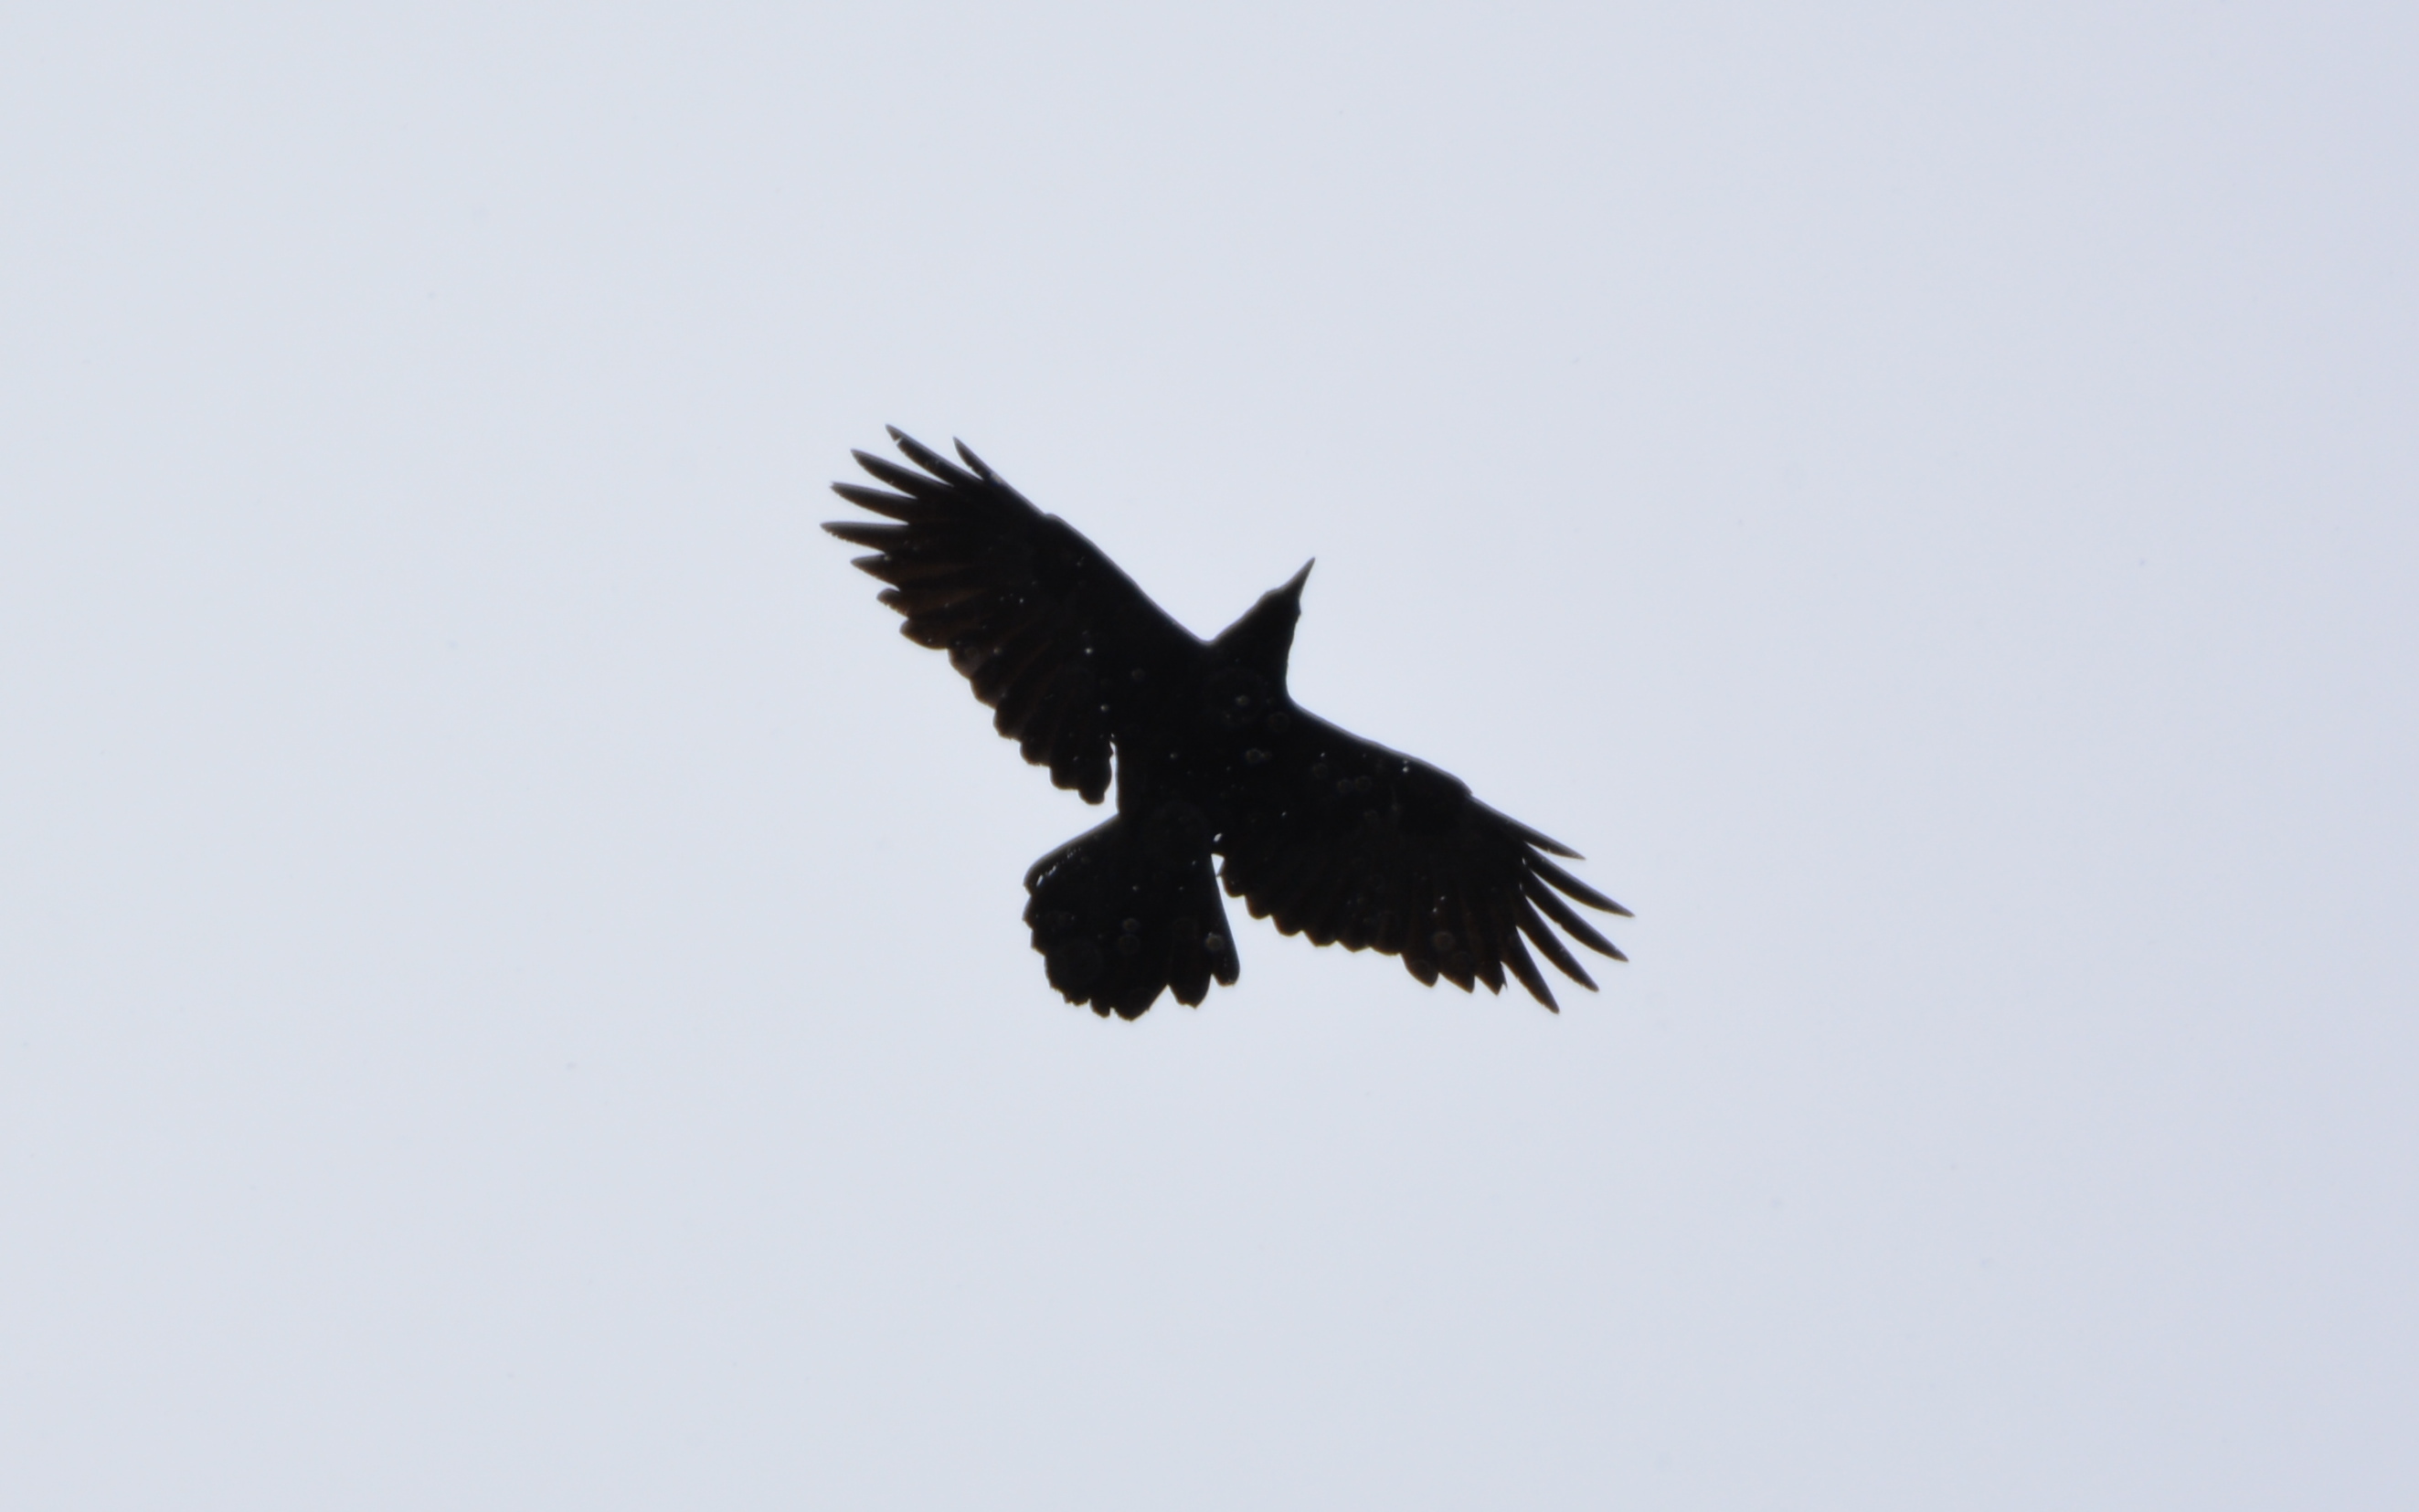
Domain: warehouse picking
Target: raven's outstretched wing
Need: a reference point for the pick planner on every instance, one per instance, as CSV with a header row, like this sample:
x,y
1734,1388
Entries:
x,y
1353,843
1052,636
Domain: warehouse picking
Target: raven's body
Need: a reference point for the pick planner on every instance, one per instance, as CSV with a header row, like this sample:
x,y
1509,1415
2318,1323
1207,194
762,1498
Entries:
x,y
1335,837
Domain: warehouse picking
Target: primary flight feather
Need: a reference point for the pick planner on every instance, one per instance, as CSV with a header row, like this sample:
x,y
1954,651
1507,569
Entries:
x,y
1331,836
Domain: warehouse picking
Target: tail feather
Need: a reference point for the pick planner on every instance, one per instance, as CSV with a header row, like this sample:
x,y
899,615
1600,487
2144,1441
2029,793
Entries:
x,y
1126,911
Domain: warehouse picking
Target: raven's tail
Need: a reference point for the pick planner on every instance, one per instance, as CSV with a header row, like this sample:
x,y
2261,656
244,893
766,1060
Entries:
x,y
1126,910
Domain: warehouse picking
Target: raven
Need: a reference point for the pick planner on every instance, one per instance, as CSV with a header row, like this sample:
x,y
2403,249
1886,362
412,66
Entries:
x,y
1335,837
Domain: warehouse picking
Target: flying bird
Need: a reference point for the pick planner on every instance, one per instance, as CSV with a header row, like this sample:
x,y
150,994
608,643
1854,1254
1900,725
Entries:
x,y
1331,836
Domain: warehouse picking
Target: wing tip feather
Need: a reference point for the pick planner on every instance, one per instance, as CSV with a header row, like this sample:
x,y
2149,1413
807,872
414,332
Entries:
x,y
982,468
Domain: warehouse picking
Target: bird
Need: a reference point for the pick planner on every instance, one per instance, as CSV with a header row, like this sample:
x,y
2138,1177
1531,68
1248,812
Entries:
x,y
1331,836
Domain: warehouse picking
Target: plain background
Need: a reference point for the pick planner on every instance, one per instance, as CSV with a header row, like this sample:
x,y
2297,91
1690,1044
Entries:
x,y
513,989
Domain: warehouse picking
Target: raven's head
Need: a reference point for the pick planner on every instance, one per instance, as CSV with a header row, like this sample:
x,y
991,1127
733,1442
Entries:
x,y
1262,640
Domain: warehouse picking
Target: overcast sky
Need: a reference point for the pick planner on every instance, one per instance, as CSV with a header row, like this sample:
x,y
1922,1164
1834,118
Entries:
x,y
511,989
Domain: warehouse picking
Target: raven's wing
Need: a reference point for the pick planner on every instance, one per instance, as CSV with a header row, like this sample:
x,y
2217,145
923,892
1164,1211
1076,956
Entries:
x,y
1353,843
1052,636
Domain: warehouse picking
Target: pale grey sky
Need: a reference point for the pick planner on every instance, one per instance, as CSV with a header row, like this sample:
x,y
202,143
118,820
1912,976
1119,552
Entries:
x,y
512,991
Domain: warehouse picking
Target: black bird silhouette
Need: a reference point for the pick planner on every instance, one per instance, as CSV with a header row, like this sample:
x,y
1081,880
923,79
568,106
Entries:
x,y
1335,836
